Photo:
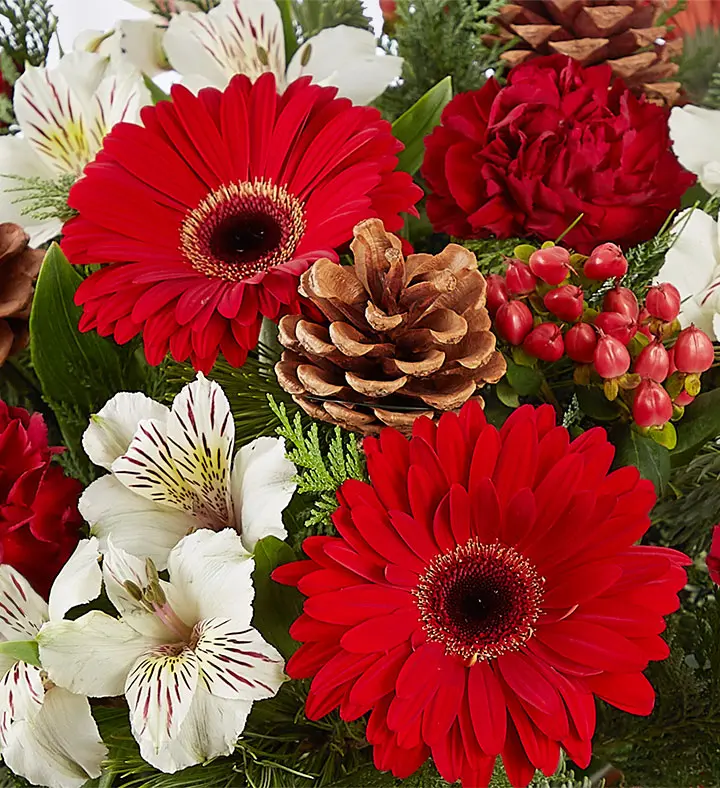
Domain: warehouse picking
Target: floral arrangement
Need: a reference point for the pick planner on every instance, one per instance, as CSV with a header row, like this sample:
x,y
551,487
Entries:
x,y
359,397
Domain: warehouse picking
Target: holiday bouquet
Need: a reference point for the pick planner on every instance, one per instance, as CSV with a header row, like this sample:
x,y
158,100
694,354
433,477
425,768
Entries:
x,y
359,396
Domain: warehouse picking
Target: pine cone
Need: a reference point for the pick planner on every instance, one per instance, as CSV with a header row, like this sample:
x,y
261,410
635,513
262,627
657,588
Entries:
x,y
400,339
623,33
19,268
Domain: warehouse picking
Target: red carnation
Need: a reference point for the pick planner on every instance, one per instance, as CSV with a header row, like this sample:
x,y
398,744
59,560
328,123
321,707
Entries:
x,y
210,211
39,519
485,587
557,141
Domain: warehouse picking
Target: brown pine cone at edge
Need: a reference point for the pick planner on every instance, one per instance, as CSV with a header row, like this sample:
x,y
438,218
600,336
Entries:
x,y
402,338
19,268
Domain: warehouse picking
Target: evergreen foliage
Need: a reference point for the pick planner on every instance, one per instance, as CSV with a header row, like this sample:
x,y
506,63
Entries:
x,y
26,30
42,199
439,39
324,462
313,16
163,7
700,67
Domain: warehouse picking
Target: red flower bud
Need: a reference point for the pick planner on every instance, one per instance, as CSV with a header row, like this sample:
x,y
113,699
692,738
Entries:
x,y
514,320
653,362
545,342
552,265
683,399
565,302
580,343
693,351
616,325
611,358
663,302
652,406
519,279
605,262
623,301
497,293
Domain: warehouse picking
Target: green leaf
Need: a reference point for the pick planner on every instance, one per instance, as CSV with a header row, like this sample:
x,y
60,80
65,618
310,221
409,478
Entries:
x,y
291,42
525,380
649,457
415,124
507,394
276,606
594,403
700,424
78,372
156,94
21,650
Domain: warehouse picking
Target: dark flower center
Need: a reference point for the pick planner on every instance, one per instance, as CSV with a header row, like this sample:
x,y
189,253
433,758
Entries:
x,y
241,229
480,600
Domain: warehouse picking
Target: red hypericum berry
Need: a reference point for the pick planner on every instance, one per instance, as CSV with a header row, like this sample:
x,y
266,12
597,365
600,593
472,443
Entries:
x,y
565,302
497,293
643,318
623,301
519,279
580,343
514,321
605,262
653,362
611,358
545,342
616,325
652,406
683,399
693,351
551,265
663,302
671,357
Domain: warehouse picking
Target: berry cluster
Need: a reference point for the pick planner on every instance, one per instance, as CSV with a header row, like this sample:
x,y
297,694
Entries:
x,y
635,352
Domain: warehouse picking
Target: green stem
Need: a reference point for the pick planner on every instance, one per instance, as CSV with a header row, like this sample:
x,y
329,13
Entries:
x,y
549,395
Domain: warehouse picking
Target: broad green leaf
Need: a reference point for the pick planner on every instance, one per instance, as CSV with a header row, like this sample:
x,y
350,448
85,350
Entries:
x,y
507,394
276,606
416,123
699,424
78,372
21,650
649,457
525,380
156,94
594,403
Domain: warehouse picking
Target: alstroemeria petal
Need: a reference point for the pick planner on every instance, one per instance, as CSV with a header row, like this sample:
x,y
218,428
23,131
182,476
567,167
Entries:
x,y
211,728
695,134
359,73
60,747
18,160
211,577
51,106
236,662
262,486
112,428
237,37
185,463
118,99
22,610
93,655
79,581
119,567
690,264
132,522
159,691
21,697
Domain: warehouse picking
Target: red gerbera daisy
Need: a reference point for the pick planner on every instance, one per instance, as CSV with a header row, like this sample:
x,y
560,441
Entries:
x,y
210,211
485,586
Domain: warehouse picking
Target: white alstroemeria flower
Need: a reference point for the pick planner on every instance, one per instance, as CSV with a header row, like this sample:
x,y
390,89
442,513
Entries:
x,y
63,113
47,734
695,134
246,37
182,652
692,264
172,472
134,42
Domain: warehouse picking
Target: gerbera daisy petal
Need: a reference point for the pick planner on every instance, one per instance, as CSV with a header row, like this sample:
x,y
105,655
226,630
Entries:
x,y
235,193
481,631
